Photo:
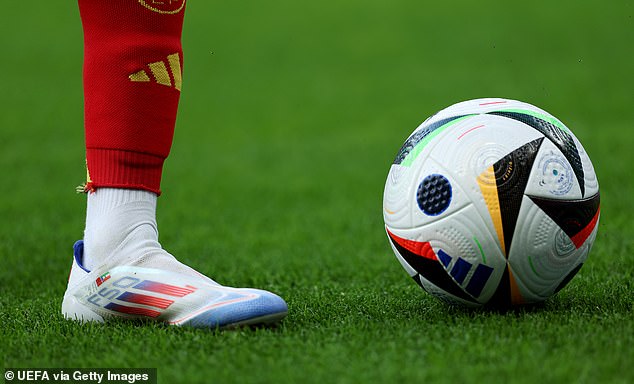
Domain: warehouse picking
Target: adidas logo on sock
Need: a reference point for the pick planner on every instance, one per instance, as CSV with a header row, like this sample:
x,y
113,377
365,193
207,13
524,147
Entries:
x,y
161,73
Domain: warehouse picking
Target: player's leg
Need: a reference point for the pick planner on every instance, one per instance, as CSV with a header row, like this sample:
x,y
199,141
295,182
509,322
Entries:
x,y
132,82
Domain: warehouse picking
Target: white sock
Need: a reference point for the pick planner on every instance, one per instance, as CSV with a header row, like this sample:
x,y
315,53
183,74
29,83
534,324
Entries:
x,y
121,229
111,216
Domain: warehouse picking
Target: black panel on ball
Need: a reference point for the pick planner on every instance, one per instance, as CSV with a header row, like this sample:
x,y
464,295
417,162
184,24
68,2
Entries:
x,y
511,176
568,277
562,139
502,296
572,216
432,271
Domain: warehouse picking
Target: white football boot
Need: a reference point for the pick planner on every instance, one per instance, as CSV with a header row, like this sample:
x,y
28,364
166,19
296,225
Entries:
x,y
121,288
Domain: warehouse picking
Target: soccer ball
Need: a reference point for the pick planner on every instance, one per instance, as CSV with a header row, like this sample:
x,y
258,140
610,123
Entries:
x,y
491,201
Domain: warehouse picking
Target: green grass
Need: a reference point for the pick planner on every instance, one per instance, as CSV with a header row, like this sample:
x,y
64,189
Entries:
x,y
290,116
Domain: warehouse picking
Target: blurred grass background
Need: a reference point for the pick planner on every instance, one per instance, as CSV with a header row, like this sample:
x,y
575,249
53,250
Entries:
x,y
290,116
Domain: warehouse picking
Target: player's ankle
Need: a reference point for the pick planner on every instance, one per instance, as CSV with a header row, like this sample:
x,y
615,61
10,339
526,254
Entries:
x,y
117,219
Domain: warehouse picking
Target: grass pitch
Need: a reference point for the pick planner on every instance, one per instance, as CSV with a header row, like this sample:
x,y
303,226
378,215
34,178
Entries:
x,y
290,116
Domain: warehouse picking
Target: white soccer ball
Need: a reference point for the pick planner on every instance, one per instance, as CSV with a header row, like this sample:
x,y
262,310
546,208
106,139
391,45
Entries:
x,y
491,201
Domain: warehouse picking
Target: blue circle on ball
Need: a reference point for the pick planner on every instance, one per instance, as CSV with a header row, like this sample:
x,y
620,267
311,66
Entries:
x,y
434,195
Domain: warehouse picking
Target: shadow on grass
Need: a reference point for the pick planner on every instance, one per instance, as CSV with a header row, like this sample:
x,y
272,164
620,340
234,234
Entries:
x,y
332,305
148,325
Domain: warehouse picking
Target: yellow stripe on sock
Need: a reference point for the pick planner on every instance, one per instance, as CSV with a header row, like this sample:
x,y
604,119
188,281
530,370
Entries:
x,y
159,70
140,76
175,65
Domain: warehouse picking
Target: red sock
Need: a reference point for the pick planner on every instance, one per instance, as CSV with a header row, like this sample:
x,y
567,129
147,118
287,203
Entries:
x,y
132,79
